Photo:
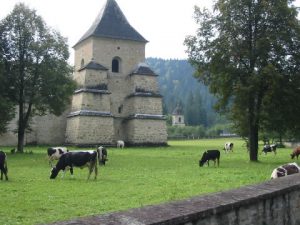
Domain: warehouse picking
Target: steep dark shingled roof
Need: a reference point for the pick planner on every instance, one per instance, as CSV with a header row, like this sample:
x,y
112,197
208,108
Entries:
x,y
112,23
92,65
143,69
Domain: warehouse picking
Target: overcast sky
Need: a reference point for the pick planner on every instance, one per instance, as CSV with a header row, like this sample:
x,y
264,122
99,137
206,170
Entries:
x,y
164,23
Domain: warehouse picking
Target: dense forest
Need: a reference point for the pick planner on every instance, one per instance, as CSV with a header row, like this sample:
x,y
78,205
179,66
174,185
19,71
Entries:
x,y
178,86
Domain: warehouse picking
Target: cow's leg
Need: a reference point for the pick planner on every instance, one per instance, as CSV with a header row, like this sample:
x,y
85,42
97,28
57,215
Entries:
x,y
63,173
5,173
1,174
5,170
71,171
218,162
91,167
96,170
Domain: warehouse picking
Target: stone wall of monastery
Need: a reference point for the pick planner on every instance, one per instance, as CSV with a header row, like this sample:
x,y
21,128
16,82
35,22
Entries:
x,y
91,101
146,132
143,105
147,83
95,77
46,130
130,53
90,130
119,89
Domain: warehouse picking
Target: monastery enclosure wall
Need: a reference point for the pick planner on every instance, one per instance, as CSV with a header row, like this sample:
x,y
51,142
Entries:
x,y
275,202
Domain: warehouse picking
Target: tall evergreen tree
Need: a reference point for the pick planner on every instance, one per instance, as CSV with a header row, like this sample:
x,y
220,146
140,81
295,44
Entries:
x,y
36,70
248,52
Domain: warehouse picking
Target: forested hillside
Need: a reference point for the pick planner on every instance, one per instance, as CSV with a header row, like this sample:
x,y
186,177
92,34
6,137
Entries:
x,y
178,86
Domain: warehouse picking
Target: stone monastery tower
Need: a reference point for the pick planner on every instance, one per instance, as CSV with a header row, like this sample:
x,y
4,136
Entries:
x,y
117,95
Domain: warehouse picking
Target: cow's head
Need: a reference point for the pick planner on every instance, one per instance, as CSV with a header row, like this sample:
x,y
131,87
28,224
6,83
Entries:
x,y
102,155
203,159
201,163
53,173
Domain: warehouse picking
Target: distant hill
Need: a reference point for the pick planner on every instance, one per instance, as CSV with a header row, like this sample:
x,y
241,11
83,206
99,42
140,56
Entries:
x,y
178,86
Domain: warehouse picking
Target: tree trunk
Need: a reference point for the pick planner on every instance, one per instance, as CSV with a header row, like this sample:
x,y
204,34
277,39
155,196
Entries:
x,y
21,130
253,131
253,142
21,136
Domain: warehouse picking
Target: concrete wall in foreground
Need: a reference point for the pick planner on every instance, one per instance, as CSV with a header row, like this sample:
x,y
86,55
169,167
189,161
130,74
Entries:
x,y
275,202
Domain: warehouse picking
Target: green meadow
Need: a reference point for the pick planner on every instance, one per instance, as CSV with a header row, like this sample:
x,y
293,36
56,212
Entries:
x,y
133,177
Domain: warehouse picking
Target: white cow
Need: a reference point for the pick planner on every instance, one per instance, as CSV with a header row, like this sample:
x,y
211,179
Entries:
x,y
228,147
120,144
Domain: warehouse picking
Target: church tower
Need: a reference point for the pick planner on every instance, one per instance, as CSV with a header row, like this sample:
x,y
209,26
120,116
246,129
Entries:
x,y
117,95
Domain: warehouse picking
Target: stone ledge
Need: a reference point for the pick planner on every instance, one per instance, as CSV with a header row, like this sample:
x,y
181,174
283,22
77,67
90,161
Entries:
x,y
89,113
91,90
197,208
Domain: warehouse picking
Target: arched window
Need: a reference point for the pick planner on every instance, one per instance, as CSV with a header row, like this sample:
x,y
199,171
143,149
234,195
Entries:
x,y
82,63
115,65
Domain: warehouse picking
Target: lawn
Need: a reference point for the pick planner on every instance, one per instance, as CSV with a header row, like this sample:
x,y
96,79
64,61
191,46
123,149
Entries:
x,y
133,177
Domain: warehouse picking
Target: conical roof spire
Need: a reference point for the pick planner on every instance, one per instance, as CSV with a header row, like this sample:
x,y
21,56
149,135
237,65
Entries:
x,y
112,23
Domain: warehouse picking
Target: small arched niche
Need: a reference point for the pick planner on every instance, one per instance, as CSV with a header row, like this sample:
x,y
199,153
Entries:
x,y
116,65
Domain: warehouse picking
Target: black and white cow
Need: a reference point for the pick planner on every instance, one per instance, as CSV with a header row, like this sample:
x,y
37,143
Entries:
x,y
269,148
210,155
54,153
284,170
76,159
3,165
102,154
228,147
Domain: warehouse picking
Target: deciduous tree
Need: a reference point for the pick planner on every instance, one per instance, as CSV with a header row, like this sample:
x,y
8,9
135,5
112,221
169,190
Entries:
x,y
35,67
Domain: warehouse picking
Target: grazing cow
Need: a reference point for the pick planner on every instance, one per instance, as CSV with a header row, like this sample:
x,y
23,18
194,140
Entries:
x,y
285,170
3,165
296,152
120,144
76,159
269,148
102,154
54,153
228,147
210,155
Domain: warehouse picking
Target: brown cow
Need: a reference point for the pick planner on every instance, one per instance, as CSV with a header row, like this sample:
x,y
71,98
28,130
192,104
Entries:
x,y
296,152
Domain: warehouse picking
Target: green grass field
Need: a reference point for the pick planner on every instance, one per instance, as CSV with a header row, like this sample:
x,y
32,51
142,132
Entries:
x,y
132,178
